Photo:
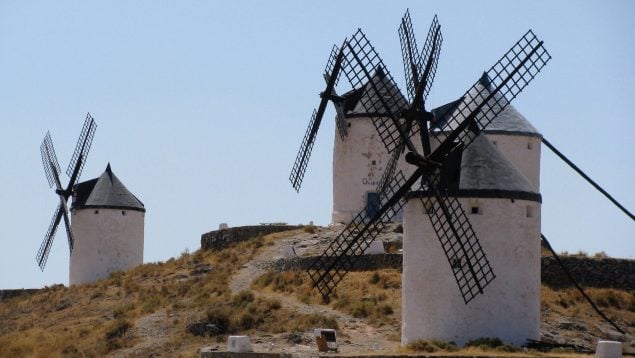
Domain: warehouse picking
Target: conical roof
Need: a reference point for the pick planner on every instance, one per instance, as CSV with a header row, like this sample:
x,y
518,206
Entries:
x,y
107,191
509,121
485,168
486,173
364,101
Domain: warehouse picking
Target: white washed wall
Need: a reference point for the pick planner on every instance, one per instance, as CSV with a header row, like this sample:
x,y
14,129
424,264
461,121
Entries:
x,y
510,306
105,242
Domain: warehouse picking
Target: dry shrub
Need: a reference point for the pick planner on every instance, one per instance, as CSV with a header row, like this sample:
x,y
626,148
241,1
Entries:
x,y
314,320
242,299
487,343
219,316
430,346
290,281
116,335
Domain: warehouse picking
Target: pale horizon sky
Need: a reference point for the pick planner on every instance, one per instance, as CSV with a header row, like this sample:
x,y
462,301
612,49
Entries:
x,y
201,107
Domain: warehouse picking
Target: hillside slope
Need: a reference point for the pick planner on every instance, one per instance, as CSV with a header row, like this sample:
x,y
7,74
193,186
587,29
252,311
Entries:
x,y
174,308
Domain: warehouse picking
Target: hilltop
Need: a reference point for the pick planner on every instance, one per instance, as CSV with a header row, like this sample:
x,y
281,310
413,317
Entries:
x,y
175,308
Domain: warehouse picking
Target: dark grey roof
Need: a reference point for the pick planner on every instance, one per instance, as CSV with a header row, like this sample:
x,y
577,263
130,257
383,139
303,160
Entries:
x,y
484,167
485,172
107,191
509,121
364,102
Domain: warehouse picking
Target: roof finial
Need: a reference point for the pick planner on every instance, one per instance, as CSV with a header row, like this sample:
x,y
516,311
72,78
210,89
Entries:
x,y
109,171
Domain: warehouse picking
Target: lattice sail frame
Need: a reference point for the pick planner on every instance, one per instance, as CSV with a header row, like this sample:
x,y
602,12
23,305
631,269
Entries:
x,y
411,57
469,264
82,148
49,161
387,101
340,121
507,77
301,160
332,74
414,64
45,247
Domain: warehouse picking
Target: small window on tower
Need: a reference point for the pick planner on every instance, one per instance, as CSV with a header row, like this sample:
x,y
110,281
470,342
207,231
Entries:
x,y
530,145
123,212
373,162
349,124
474,210
494,142
96,212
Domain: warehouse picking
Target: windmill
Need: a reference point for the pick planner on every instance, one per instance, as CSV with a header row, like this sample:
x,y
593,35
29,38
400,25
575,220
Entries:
x,y
53,172
435,169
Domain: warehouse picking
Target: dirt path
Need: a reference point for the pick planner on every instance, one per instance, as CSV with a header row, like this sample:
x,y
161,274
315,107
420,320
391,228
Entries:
x,y
152,333
355,334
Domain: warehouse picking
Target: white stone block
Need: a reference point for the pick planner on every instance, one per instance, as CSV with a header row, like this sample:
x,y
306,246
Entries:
x,y
376,248
222,226
239,344
609,349
328,335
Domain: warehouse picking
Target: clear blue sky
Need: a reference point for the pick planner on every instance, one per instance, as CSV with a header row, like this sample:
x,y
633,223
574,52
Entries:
x,y
201,106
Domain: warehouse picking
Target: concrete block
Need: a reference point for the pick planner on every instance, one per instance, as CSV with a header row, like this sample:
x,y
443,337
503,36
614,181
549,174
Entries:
x,y
239,344
609,349
376,248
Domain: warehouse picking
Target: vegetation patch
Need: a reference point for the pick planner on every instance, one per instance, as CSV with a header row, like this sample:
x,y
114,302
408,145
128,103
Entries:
x,y
374,296
487,343
430,346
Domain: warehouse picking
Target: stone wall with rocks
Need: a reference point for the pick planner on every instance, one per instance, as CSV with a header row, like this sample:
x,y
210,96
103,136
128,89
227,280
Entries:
x,y
220,239
6,294
589,272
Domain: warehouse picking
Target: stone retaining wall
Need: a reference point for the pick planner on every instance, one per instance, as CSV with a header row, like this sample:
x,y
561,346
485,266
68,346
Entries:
x,y
220,239
6,294
589,272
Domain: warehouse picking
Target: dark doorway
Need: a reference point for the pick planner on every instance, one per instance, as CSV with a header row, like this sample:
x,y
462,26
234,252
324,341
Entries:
x,y
372,204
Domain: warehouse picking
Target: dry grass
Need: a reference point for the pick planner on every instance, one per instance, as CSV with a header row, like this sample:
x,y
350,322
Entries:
x,y
374,296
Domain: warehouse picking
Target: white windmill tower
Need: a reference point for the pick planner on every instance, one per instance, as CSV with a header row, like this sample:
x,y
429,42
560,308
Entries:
x,y
106,233
360,160
108,226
